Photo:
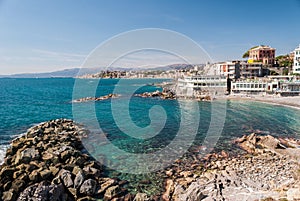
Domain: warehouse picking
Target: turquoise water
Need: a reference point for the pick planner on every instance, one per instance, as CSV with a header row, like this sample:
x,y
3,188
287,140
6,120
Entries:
x,y
25,102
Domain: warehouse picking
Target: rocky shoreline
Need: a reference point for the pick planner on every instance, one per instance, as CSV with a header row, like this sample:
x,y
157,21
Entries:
x,y
101,98
268,171
49,162
165,94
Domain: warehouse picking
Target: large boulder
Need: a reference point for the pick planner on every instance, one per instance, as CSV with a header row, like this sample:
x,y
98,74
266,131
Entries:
x,y
44,192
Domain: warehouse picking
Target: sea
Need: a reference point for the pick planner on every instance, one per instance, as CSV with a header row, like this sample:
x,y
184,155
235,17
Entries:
x,y
135,124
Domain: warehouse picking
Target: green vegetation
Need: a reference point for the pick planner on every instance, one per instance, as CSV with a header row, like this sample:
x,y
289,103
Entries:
x,y
285,71
284,61
246,54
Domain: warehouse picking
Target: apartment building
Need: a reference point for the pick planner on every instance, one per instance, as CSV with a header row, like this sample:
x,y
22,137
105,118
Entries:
x,y
264,54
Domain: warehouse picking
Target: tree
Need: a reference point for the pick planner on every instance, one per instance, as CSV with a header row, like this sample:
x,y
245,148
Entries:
x,y
284,61
246,54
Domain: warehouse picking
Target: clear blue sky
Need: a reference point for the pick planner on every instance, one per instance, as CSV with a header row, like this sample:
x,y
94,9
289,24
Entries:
x,y
40,35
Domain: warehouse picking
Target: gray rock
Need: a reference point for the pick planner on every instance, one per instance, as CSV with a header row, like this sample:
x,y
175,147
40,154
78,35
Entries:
x,y
88,187
27,155
79,179
43,192
66,177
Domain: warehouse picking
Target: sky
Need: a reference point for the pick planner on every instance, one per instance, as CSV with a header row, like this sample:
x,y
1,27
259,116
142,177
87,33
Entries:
x,y
49,35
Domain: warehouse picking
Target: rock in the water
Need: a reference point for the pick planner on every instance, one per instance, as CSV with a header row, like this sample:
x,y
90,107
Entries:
x,y
112,192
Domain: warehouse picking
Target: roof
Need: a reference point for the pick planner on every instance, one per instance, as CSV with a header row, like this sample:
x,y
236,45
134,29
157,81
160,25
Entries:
x,y
263,48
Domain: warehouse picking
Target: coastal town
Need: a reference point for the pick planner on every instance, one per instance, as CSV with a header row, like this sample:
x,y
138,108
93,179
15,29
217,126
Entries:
x,y
262,73
149,100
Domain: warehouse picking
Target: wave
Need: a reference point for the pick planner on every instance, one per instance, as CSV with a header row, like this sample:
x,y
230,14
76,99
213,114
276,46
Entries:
x,y
3,149
5,144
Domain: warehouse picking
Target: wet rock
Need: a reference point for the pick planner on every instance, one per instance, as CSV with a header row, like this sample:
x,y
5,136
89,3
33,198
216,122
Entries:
x,y
112,192
107,183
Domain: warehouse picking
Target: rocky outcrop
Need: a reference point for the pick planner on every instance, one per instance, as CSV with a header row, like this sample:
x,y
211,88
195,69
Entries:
x,y
265,173
101,98
256,144
166,94
50,163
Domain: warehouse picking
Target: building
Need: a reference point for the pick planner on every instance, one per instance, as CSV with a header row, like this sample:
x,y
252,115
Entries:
x,y
240,69
249,87
197,86
280,85
296,65
264,54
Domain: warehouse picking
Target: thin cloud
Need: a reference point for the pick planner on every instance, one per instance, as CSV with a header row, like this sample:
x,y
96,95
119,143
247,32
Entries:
x,y
58,54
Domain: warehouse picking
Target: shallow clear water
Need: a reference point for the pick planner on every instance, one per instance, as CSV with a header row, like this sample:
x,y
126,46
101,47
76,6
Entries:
x,y
131,123
25,102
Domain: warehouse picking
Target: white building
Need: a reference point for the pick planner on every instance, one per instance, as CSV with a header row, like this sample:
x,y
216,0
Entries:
x,y
296,66
197,86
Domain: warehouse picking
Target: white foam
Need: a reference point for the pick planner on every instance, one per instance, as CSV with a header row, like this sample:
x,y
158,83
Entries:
x,y
3,149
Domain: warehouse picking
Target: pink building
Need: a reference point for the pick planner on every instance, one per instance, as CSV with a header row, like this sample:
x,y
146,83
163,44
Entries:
x,y
264,54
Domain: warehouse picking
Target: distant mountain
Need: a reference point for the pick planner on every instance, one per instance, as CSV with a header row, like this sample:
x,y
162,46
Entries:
x,y
73,72
62,73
